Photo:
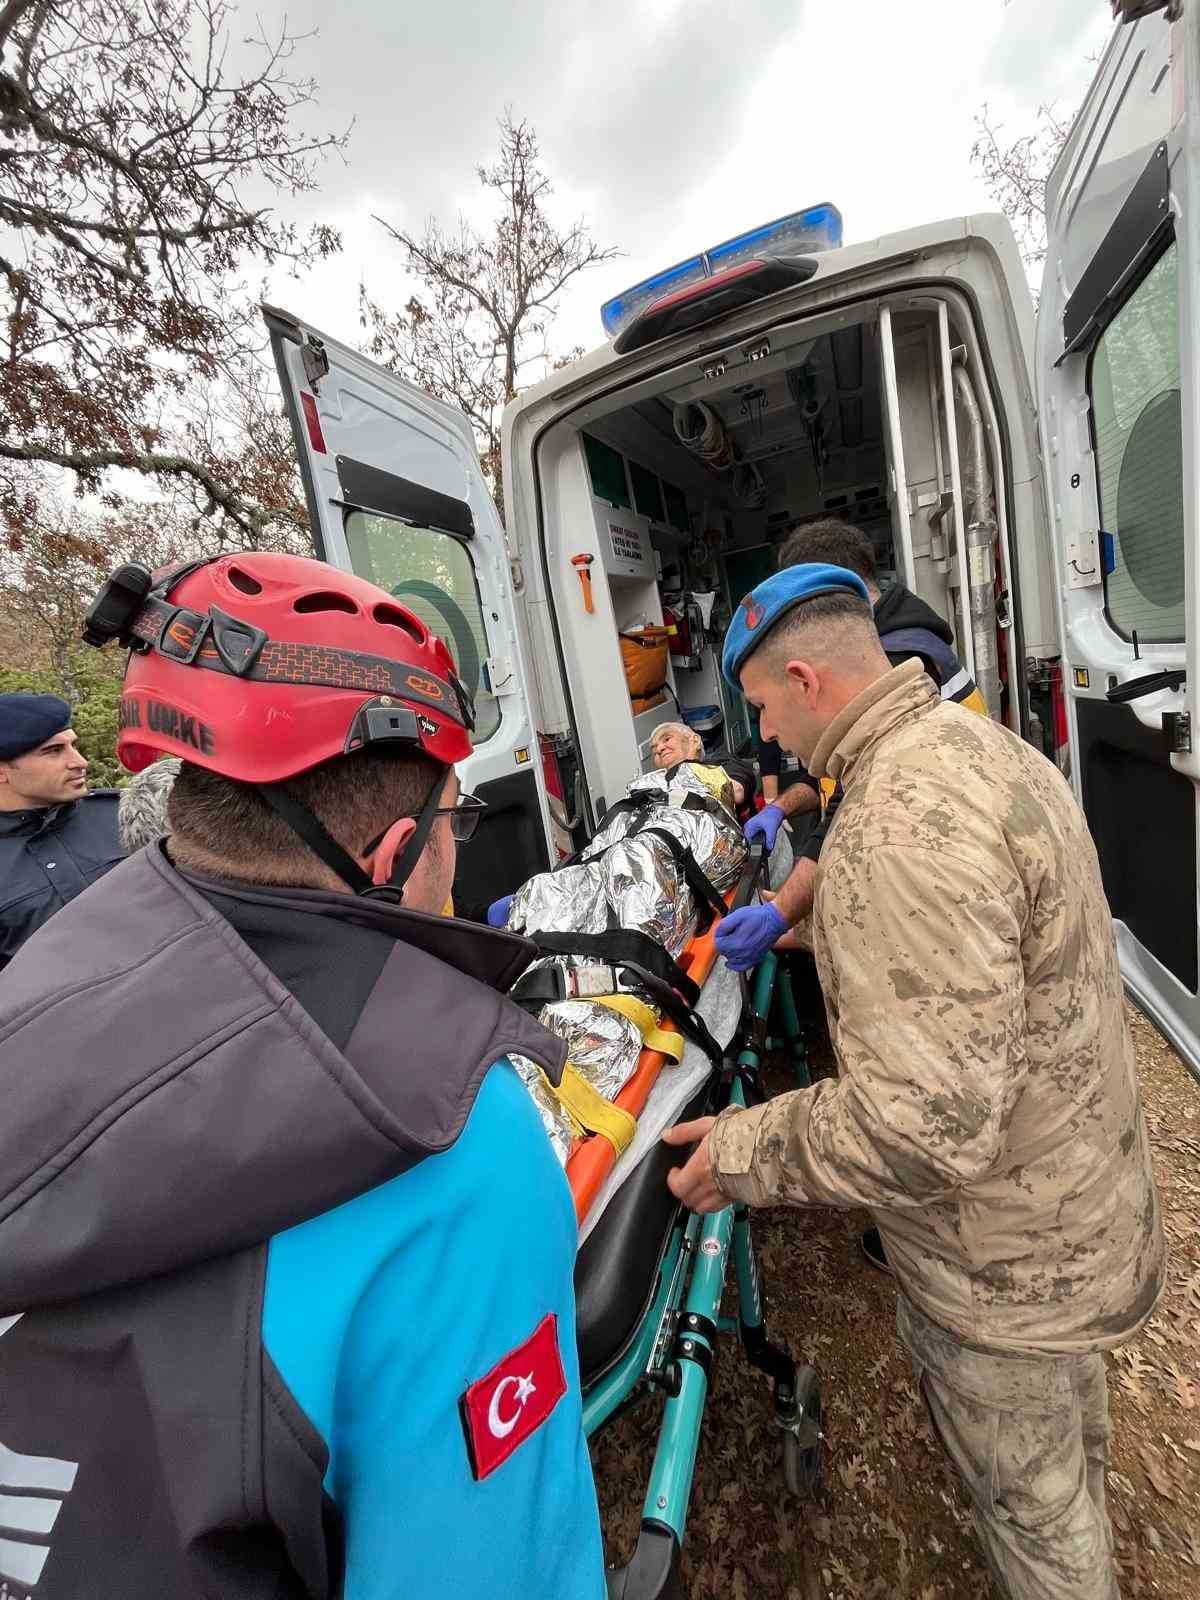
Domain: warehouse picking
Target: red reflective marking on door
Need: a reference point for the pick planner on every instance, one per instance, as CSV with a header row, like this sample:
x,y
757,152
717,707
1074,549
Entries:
x,y
312,422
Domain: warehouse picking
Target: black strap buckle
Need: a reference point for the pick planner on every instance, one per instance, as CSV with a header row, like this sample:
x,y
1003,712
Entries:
x,y
545,986
182,634
619,947
239,644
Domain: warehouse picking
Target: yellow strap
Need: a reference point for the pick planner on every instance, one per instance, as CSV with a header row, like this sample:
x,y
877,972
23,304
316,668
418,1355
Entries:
x,y
592,1112
645,1019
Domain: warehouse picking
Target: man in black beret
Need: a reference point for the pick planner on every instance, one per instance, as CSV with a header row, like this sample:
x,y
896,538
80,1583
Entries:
x,y
55,836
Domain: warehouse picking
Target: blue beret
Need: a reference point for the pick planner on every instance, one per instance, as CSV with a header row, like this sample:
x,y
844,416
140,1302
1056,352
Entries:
x,y
772,600
28,720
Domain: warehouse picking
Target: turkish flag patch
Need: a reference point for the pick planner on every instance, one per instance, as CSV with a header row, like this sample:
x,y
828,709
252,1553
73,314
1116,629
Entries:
x,y
501,1410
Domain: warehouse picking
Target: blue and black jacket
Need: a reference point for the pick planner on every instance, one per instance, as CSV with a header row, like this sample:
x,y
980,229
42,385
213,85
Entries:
x,y
273,1207
908,628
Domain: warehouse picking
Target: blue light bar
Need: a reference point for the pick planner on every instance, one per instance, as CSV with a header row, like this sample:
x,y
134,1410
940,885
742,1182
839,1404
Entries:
x,y
803,233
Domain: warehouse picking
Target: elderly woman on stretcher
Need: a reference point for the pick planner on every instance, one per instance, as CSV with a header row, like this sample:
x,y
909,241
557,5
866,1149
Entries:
x,y
673,742
619,924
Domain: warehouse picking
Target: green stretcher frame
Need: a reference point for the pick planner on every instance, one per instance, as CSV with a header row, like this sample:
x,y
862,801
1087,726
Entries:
x,y
675,1343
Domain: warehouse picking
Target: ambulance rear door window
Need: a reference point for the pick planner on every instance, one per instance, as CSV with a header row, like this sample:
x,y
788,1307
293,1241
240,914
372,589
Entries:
x,y
431,573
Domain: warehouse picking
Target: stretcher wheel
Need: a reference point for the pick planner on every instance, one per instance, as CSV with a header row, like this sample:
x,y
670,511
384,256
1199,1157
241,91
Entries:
x,y
803,1447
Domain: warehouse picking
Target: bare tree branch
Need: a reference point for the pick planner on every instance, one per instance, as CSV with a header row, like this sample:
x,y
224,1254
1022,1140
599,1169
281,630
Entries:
x,y
1015,173
480,317
89,465
126,137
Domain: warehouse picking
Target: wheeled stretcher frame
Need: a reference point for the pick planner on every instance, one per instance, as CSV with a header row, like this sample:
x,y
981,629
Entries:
x,y
673,1345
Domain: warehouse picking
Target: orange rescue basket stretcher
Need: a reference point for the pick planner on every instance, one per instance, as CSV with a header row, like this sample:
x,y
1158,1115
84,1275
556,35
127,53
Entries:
x,y
594,1157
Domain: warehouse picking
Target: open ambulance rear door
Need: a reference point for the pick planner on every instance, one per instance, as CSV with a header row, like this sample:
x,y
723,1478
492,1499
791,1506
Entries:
x,y
396,494
947,310
1119,397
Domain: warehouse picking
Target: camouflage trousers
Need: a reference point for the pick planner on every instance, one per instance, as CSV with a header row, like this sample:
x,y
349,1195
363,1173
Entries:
x,y
1028,1435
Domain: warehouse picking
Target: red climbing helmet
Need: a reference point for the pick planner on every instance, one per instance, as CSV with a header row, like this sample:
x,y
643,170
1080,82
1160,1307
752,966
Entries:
x,y
260,666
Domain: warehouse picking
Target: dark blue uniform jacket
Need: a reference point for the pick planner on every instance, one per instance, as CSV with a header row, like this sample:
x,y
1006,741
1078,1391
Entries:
x,y
50,855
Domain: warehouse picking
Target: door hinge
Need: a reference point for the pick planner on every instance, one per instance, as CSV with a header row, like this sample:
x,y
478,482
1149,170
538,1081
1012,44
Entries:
x,y
1177,725
500,677
1085,567
315,360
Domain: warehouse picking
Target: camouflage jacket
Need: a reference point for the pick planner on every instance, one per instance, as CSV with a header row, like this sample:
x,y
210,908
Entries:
x,y
987,1108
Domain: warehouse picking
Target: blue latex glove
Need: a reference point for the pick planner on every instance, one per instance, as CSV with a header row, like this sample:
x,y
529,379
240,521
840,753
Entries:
x,y
765,825
497,912
745,936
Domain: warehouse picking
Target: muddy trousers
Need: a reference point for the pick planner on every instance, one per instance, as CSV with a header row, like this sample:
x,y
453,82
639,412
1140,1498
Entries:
x,y
1028,1435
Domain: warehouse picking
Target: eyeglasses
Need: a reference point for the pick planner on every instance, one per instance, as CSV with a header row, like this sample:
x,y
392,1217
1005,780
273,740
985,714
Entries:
x,y
464,819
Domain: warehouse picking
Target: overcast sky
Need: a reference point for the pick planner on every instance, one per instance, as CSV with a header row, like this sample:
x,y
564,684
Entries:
x,y
666,124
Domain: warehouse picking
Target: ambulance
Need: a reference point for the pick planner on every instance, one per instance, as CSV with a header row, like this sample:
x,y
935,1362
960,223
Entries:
x,y
1033,478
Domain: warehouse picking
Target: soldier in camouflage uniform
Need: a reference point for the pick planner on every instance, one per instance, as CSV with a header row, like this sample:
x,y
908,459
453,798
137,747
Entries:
x,y
987,1109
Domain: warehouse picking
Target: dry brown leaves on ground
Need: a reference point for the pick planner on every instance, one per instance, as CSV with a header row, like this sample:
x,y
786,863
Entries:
x,y
891,1523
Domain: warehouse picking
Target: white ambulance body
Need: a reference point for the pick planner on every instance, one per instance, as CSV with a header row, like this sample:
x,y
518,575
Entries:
x,y
1037,486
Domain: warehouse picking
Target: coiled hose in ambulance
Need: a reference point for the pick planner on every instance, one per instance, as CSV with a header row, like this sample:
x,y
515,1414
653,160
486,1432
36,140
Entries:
x,y
700,430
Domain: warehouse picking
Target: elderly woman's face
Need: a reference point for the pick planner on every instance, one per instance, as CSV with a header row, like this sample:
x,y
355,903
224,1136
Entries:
x,y
671,746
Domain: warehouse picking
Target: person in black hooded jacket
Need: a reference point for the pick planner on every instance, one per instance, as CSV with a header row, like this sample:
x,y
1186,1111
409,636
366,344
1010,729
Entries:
x,y
908,628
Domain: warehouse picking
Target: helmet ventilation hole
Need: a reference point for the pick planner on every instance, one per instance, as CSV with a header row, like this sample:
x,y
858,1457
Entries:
x,y
243,582
394,617
326,600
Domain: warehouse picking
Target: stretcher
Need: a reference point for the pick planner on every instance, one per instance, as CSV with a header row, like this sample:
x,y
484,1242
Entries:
x,y
595,1158
624,931
650,1278
599,1163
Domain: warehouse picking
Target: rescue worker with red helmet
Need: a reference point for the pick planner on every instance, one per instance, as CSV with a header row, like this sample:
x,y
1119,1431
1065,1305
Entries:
x,y
286,1259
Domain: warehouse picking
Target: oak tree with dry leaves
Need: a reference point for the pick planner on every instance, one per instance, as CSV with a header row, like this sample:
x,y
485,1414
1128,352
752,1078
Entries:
x,y
142,150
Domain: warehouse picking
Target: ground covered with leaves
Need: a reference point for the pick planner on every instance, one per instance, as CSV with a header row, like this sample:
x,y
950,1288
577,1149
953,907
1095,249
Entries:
x,y
891,1522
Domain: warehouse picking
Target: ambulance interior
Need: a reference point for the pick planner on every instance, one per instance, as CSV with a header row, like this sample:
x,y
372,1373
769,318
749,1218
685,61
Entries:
x,y
681,496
